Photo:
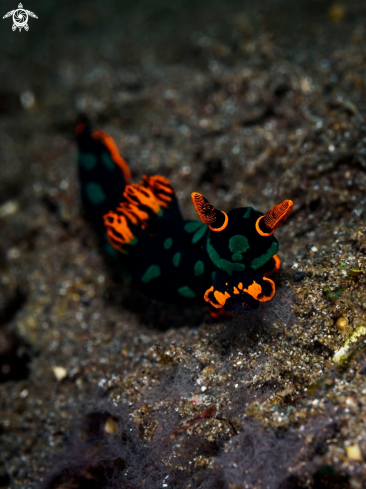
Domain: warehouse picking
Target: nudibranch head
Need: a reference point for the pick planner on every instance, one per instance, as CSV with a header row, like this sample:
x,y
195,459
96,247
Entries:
x,y
242,246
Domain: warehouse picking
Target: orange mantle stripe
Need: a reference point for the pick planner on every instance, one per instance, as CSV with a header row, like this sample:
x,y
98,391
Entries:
x,y
116,157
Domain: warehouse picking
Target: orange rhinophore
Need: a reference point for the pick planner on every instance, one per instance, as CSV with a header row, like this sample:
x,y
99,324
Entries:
x,y
206,211
117,158
208,214
274,218
277,214
118,230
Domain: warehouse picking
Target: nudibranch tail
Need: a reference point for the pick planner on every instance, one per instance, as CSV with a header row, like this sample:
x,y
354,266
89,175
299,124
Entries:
x,y
103,174
114,152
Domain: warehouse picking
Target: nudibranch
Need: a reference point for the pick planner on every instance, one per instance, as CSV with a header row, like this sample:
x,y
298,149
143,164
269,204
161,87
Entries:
x,y
225,259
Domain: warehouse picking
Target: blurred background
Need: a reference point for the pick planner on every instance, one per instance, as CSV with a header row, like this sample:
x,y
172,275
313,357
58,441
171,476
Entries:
x,y
69,36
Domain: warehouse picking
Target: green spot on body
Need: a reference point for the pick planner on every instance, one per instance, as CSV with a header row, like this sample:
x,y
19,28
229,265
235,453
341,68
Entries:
x,y
87,160
237,257
95,193
247,213
107,161
199,234
186,292
133,241
152,272
168,243
213,275
199,268
261,260
221,263
109,248
238,244
111,251
192,226
176,259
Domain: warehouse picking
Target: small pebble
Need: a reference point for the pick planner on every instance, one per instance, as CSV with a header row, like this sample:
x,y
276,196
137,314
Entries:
x,y
60,372
354,452
27,99
299,276
111,426
9,208
342,323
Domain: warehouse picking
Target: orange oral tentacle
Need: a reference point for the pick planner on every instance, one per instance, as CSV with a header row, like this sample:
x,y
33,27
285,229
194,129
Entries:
x,y
219,296
255,290
276,267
